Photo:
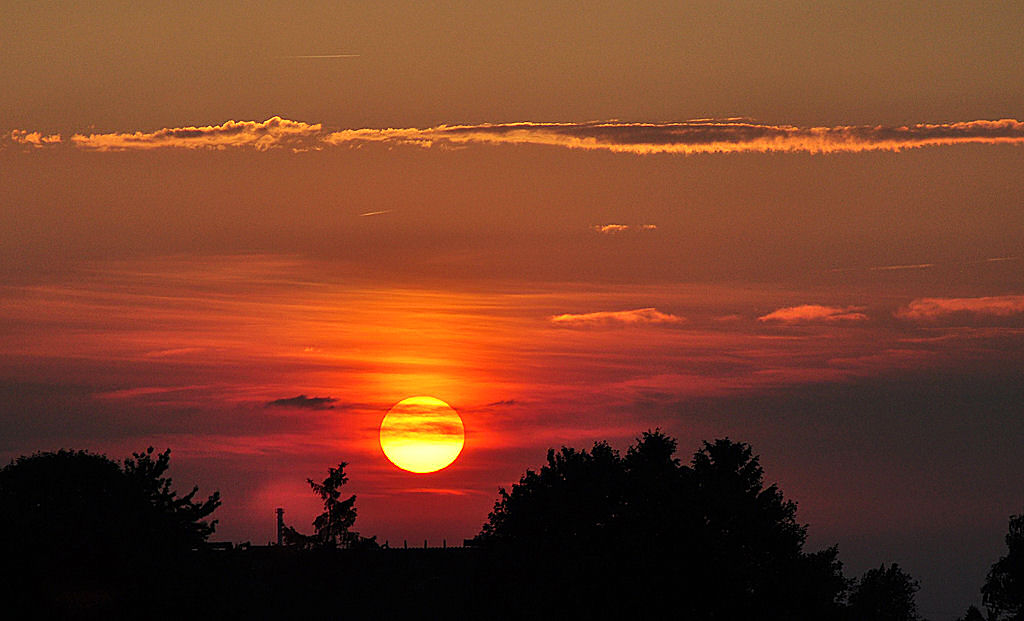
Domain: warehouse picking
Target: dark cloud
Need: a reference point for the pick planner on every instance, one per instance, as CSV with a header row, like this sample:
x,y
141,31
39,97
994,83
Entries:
x,y
304,402
48,416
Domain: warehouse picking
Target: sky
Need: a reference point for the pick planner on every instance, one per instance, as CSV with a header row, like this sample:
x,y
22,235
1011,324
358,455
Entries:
x,y
245,231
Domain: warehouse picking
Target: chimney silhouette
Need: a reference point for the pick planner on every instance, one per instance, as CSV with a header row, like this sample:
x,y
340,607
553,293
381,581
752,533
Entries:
x,y
280,526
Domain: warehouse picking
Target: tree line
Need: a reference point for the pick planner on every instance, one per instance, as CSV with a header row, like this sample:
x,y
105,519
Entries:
x,y
592,531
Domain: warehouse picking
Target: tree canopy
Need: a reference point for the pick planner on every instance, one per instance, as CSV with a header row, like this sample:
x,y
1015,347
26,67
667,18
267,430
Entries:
x,y
884,594
1003,592
80,505
711,533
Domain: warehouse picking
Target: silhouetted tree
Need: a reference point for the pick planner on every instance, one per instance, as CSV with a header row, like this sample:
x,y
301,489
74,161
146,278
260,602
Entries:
x,y
1003,592
571,501
748,534
884,594
177,519
638,527
332,527
78,505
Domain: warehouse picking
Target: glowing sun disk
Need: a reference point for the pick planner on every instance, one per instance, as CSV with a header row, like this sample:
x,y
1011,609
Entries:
x,y
422,434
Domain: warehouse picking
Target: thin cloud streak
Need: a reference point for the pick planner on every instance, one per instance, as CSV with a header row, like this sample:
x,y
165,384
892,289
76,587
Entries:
x,y
896,268
814,313
686,137
611,319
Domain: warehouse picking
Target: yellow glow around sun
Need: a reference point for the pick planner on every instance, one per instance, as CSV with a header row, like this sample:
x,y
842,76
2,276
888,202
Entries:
x,y
422,434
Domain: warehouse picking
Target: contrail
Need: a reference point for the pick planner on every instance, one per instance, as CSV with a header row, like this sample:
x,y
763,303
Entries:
x,y
893,268
323,56
375,213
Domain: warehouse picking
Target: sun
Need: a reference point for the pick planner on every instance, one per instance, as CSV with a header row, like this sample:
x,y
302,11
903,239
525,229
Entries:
x,y
422,434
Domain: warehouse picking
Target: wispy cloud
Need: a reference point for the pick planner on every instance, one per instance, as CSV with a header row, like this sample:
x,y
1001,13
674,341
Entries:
x,y
703,136
814,313
612,319
274,132
924,266
611,229
929,309
304,402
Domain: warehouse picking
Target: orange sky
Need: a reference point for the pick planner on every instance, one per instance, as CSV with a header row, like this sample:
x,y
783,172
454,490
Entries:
x,y
206,212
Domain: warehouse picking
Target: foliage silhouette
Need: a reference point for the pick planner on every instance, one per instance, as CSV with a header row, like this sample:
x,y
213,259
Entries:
x,y
1003,592
596,524
884,594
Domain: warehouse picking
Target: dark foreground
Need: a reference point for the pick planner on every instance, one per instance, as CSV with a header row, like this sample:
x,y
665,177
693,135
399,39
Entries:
x,y
271,582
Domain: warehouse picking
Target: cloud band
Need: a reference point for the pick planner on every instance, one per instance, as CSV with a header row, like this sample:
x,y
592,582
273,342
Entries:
x,y
693,137
687,137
